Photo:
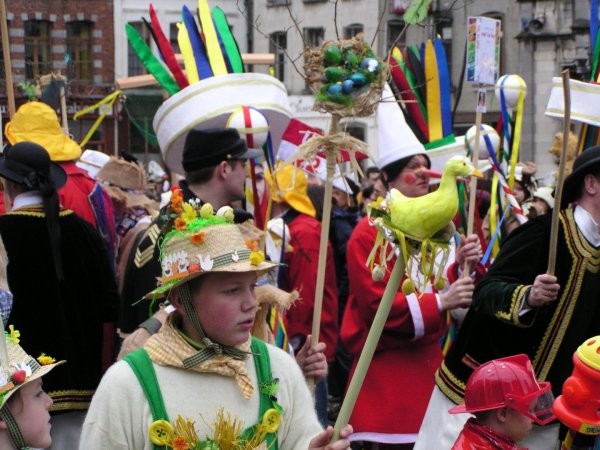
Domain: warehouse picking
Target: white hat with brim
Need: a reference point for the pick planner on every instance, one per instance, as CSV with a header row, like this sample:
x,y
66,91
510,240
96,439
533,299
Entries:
x,y
209,103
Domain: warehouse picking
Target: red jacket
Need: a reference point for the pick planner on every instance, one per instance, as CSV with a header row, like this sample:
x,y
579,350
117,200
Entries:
x,y
301,274
399,382
475,436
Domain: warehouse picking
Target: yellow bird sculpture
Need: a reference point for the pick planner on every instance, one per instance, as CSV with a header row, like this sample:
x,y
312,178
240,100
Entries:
x,y
422,217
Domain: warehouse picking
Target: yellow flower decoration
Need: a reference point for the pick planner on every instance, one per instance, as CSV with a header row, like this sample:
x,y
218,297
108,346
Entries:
x,y
189,214
44,359
14,334
256,258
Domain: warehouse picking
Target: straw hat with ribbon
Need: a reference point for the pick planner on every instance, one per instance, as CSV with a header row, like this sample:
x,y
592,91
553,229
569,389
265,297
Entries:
x,y
17,368
37,122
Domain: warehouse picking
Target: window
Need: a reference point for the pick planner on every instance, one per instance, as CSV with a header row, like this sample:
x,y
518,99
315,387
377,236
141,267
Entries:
x,y
277,2
79,50
352,30
173,33
277,46
395,27
38,49
313,37
134,65
356,130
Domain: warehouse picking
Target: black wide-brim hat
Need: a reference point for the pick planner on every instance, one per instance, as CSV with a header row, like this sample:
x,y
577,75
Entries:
x,y
21,162
586,163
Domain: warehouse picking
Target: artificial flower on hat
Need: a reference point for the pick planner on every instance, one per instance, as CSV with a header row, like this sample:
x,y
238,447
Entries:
x,y
17,367
198,241
38,122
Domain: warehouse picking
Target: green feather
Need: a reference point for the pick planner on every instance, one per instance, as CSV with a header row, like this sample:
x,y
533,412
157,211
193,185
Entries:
x,y
417,11
152,64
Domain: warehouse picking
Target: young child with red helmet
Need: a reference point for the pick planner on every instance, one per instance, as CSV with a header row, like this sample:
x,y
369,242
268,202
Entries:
x,y
505,398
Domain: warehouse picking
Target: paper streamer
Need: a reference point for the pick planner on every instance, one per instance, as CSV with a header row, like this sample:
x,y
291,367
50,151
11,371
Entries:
x,y
164,46
198,49
434,113
213,49
151,62
229,43
445,87
188,54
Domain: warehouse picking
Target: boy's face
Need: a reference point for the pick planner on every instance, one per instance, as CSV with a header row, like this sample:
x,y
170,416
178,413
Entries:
x,y
226,306
31,413
517,425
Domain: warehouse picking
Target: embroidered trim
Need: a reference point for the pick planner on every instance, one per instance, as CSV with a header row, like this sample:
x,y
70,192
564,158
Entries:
x,y
36,212
451,386
585,258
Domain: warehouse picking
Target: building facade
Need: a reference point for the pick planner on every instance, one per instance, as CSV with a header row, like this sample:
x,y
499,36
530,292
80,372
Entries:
x,y
72,40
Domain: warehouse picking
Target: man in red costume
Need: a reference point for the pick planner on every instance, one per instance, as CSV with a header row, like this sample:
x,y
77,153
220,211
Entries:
x,y
399,381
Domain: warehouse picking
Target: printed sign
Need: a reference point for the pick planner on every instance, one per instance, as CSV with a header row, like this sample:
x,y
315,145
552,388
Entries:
x,y
483,50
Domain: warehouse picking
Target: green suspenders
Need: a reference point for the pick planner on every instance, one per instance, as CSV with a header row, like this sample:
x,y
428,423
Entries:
x,y
144,371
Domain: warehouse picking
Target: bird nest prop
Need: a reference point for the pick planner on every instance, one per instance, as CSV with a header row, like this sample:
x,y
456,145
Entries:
x,y
428,255
347,77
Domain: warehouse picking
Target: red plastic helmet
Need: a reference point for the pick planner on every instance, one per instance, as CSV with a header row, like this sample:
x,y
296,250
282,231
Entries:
x,y
508,382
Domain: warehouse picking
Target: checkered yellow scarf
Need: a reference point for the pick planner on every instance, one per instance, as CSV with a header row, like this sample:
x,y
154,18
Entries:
x,y
168,348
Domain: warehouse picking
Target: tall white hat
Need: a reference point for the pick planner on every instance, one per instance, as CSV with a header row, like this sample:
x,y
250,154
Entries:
x,y
396,139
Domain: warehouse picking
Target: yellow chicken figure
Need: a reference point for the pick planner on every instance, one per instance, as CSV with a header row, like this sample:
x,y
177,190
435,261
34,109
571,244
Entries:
x,y
422,217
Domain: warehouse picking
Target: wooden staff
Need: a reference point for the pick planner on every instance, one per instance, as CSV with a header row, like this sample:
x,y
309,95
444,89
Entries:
x,y
10,93
561,173
473,184
325,223
383,311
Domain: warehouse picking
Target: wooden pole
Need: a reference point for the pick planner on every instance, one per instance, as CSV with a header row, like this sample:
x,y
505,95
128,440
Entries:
x,y
63,110
10,93
383,311
473,185
325,223
561,173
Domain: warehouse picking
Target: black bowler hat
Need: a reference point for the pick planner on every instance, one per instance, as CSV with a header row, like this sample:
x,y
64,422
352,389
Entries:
x,y
586,163
207,148
29,164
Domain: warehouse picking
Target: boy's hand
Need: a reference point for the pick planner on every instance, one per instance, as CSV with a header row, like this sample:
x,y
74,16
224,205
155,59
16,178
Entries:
x,y
321,440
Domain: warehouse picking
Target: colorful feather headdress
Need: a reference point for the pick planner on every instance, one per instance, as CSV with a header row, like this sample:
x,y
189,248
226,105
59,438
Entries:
x,y
212,84
421,79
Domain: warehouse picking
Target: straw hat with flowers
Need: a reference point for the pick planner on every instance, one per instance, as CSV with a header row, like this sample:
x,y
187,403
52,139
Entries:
x,y
199,242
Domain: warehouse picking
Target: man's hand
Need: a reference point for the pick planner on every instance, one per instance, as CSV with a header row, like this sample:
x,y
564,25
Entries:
x,y
544,290
321,440
458,295
312,360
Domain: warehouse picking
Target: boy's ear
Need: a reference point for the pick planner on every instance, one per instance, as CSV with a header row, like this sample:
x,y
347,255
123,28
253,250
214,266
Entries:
x,y
502,414
175,300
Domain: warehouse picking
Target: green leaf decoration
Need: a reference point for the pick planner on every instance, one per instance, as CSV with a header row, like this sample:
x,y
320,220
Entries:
x,y
417,11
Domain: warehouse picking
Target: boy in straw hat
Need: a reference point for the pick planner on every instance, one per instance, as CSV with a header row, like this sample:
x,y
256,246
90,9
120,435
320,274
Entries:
x,y
410,343
38,122
214,161
202,381
24,417
58,267
519,308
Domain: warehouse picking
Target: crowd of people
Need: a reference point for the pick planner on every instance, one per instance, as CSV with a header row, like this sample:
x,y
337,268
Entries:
x,y
154,306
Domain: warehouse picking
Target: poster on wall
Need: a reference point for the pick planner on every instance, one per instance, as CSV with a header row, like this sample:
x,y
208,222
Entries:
x,y
483,50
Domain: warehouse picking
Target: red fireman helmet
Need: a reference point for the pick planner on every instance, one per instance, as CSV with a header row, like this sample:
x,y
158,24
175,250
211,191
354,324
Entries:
x,y
508,382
